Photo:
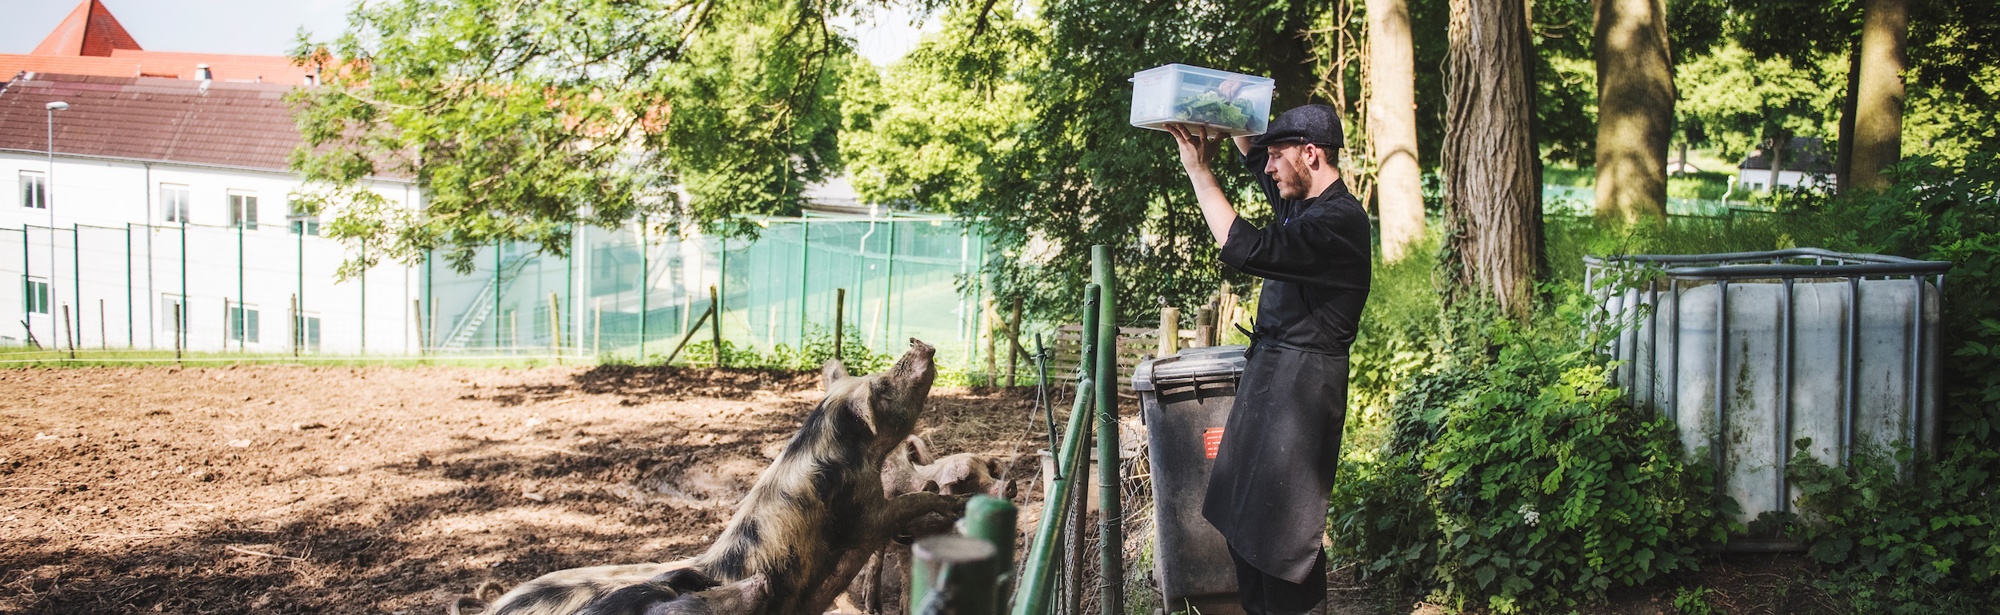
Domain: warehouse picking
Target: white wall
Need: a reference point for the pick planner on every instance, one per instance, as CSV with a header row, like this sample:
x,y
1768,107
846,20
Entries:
x,y
1754,179
131,255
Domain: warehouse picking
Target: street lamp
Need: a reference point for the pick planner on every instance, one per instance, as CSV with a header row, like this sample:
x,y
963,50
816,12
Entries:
x,y
49,203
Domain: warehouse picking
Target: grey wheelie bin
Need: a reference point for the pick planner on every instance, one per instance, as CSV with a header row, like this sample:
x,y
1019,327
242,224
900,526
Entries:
x,y
1185,399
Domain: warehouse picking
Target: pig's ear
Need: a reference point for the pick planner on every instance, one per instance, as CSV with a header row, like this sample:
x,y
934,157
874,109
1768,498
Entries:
x,y
831,373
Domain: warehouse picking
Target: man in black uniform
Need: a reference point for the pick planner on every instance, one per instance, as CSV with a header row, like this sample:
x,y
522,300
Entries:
x,y
1281,445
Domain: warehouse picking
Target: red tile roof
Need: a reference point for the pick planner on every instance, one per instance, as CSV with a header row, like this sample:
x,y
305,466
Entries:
x,y
90,30
92,42
146,118
172,65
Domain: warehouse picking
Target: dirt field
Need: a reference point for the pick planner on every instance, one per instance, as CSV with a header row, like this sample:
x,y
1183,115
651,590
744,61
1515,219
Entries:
x,y
277,489
271,489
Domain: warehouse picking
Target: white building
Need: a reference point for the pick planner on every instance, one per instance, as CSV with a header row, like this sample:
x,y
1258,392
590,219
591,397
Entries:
x,y
1804,162
181,186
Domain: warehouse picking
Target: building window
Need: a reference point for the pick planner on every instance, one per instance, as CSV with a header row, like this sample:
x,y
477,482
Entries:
x,y
243,211
34,190
303,223
35,295
305,333
169,324
174,203
242,324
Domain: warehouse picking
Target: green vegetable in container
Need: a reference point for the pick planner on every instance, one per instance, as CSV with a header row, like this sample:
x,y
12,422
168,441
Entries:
x,y
1213,109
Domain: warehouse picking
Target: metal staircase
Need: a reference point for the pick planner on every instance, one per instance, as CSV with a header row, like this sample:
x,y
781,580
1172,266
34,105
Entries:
x,y
483,305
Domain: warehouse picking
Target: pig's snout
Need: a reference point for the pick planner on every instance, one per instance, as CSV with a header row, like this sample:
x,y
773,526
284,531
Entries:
x,y
921,350
916,365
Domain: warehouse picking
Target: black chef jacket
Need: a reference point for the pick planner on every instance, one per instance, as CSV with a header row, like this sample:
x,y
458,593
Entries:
x,y
1281,445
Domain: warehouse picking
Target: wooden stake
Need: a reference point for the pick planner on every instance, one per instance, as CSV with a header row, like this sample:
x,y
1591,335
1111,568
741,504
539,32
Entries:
x,y
715,326
416,311
988,315
1204,326
1170,331
555,325
180,329
839,320
690,335
432,341
1014,350
69,332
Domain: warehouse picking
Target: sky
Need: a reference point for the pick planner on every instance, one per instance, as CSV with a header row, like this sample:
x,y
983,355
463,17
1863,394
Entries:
x,y
270,27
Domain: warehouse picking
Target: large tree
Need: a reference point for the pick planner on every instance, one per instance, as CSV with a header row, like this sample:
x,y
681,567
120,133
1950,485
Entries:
x,y
1878,101
1082,175
520,120
1492,170
1392,124
1635,108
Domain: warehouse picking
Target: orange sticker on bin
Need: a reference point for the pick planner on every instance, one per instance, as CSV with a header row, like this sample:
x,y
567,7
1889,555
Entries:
x,y
1211,441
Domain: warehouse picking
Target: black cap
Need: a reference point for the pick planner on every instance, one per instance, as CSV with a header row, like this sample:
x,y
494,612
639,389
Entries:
x,y
1315,124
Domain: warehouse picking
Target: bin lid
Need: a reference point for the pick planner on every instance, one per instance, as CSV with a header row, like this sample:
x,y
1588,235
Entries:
x,y
1189,364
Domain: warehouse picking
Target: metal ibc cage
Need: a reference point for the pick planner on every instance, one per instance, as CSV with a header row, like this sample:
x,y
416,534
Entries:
x,y
1751,352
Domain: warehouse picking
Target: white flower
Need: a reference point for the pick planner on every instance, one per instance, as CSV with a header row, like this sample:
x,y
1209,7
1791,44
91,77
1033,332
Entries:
x,y
1528,515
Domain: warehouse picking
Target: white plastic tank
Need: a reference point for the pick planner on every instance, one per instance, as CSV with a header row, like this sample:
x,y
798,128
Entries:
x,y
1746,403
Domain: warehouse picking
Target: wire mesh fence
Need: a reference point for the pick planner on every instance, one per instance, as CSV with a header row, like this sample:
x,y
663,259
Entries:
x,y
621,293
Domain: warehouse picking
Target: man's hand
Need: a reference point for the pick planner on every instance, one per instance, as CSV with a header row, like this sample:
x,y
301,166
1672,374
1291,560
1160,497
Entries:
x,y
1197,144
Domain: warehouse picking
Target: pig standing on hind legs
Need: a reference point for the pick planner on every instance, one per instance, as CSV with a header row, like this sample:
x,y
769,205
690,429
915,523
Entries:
x,y
804,530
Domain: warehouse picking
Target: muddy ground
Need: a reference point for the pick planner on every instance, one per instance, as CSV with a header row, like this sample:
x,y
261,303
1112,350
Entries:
x,y
276,489
284,489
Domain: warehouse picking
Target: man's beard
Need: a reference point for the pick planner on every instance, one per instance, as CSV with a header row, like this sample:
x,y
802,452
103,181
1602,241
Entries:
x,y
1294,187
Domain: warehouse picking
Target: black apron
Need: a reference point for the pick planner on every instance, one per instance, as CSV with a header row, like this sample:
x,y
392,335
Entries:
x,y
1280,448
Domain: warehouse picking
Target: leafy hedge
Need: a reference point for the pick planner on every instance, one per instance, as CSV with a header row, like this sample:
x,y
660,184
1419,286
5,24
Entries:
x,y
1515,478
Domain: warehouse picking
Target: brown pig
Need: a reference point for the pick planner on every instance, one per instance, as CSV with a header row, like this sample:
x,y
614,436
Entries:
x,y
807,526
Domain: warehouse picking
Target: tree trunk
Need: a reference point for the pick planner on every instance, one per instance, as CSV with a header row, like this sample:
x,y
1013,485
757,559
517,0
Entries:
x,y
1635,108
1843,161
1493,190
1392,115
1777,159
1878,117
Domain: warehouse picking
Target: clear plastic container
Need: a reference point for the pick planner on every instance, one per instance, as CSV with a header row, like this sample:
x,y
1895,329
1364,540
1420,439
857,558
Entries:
x,y
1181,94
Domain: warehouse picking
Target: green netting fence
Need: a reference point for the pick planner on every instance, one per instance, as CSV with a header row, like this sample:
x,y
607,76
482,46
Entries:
x,y
620,293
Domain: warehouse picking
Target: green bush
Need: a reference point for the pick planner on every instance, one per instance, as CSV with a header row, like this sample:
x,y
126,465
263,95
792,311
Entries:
x,y
812,354
1930,543
1514,477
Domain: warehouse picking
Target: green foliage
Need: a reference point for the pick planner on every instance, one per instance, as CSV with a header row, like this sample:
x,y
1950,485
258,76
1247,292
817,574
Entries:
x,y
811,354
924,133
1734,101
1514,477
519,120
1931,542
1694,601
1213,109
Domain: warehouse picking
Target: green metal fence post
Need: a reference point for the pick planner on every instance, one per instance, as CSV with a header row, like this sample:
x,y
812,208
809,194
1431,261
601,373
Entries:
x,y
952,575
180,320
805,274
1110,511
364,296
1038,576
76,279
242,313
131,334
889,284
715,299
645,264
299,299
993,520
494,316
